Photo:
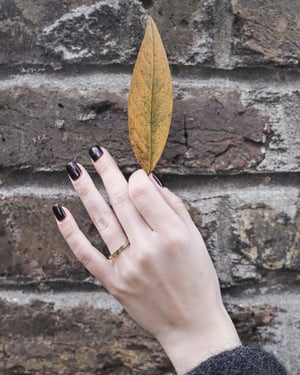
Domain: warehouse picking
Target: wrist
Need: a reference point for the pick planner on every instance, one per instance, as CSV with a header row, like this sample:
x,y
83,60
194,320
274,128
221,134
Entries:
x,y
187,347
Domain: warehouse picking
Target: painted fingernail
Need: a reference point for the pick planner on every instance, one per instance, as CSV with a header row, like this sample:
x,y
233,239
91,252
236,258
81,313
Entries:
x,y
157,180
73,170
95,153
59,212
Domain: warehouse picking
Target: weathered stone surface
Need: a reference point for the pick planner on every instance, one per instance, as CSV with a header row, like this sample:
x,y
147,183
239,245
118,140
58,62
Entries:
x,y
83,340
103,32
88,333
20,24
250,322
106,32
47,121
41,34
283,111
32,247
187,30
222,133
263,230
56,122
213,216
266,32
247,232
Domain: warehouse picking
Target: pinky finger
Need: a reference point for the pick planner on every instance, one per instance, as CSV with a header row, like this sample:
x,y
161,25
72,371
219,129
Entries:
x,y
88,255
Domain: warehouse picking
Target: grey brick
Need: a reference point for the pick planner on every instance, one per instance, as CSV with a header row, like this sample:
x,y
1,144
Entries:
x,y
232,129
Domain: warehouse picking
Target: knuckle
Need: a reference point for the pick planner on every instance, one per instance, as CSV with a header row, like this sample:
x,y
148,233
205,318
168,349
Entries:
x,y
177,240
104,165
130,277
83,257
83,190
102,222
145,259
138,192
68,233
118,197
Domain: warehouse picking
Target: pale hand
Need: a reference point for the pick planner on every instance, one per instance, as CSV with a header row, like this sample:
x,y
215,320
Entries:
x,y
165,278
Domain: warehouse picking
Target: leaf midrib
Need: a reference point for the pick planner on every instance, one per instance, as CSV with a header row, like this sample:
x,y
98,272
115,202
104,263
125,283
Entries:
x,y
152,99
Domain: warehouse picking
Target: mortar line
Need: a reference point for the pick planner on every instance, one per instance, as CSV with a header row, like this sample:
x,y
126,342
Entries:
x,y
242,78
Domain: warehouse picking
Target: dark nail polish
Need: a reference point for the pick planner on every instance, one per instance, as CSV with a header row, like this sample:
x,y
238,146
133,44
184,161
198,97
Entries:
x,y
95,153
59,212
157,180
73,170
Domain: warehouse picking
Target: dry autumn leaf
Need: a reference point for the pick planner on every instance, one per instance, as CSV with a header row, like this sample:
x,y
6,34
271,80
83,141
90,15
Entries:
x,y
150,100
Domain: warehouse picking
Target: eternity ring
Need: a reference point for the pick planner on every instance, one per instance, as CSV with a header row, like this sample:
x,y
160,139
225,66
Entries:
x,y
119,250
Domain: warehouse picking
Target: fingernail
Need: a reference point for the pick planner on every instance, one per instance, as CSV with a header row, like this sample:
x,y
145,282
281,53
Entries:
x,y
73,170
157,180
95,153
59,212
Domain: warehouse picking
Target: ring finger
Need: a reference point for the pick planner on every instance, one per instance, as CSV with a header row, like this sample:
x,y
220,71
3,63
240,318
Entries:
x,y
99,211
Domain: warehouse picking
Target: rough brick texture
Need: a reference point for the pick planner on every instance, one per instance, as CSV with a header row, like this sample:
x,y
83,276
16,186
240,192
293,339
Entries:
x,y
260,231
69,327
233,156
213,33
214,129
266,32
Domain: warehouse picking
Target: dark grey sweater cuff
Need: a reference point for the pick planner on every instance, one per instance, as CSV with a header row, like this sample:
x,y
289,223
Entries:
x,y
240,361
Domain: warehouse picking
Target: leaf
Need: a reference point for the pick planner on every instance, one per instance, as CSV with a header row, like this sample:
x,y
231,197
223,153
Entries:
x,y
150,100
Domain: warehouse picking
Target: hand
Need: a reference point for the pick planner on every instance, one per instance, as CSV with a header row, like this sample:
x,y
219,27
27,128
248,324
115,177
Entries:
x,y
165,278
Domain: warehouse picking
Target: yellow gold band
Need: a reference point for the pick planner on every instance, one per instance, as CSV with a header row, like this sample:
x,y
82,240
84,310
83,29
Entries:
x,y
119,250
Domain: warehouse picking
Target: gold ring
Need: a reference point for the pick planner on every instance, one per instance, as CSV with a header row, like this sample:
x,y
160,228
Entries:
x,y
119,250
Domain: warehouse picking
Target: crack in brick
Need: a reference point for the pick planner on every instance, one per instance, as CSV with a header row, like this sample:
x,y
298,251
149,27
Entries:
x,y
185,132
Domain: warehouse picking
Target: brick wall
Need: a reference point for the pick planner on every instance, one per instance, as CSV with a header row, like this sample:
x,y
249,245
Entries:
x,y
233,155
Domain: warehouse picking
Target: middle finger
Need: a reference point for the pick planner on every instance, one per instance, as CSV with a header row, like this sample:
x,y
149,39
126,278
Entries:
x,y
117,190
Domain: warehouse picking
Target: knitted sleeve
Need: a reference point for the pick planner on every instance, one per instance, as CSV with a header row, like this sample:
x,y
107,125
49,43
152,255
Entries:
x,y
240,361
